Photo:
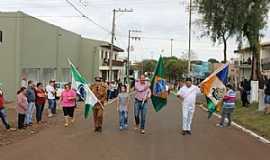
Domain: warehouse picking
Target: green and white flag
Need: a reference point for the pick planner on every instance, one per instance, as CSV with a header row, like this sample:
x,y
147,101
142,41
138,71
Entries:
x,y
80,83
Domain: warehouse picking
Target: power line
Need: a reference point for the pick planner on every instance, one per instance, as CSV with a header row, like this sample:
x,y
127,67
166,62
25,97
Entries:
x,y
88,18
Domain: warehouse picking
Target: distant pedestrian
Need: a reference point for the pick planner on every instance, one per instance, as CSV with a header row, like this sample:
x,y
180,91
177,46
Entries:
x,y
142,95
3,114
31,99
188,94
40,101
122,107
68,102
267,96
228,105
21,107
51,92
245,91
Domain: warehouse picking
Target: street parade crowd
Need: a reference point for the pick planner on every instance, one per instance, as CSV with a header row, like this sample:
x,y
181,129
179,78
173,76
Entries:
x,y
32,99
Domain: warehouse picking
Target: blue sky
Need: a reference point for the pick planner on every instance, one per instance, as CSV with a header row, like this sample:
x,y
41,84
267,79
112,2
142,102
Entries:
x,y
159,21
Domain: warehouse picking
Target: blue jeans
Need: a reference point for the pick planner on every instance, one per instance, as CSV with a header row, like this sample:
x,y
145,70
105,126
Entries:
x,y
29,113
140,110
3,116
123,119
52,105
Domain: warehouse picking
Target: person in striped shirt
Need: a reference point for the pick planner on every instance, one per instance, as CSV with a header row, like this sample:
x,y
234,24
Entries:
x,y
228,105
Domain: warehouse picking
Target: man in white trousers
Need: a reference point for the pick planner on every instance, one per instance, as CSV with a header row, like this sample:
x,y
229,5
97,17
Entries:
x,y
188,93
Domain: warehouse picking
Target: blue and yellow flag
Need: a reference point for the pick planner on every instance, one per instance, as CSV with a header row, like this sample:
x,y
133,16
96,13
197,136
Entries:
x,y
214,88
158,87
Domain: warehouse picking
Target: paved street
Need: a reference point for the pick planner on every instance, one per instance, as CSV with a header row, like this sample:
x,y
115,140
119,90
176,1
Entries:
x,y
162,141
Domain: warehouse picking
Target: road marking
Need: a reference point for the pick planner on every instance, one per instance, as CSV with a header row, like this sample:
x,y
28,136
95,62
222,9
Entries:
x,y
253,134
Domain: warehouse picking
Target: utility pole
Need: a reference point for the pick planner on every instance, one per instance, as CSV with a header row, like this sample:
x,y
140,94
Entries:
x,y
189,36
128,59
113,37
171,47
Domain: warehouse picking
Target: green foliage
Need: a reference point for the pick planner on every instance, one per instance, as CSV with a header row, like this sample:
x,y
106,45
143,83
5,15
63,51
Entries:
x,y
212,60
149,65
174,67
217,19
243,18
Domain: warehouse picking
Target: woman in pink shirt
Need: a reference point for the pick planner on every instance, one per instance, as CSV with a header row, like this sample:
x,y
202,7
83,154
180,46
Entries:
x,y
21,107
68,102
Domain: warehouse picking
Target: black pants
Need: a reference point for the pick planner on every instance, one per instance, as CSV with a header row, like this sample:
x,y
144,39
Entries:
x,y
68,111
244,99
21,118
39,111
3,117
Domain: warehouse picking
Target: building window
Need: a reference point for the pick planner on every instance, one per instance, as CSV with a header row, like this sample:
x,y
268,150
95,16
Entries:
x,y
115,56
106,55
1,37
102,54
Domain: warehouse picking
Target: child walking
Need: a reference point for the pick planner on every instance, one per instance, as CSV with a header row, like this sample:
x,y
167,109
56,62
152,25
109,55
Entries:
x,y
228,105
122,107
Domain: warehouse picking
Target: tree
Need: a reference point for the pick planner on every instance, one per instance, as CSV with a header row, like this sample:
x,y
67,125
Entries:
x,y
253,14
174,68
212,60
149,65
218,20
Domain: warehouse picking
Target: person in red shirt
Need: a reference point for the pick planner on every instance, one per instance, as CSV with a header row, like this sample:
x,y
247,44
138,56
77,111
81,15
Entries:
x,y
3,114
40,101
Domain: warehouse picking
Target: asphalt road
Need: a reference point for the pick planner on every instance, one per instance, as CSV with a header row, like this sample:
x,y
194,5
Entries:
x,y
162,140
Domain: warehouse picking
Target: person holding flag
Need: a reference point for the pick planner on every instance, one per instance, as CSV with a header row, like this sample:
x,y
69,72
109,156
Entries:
x,y
188,94
100,91
142,95
93,102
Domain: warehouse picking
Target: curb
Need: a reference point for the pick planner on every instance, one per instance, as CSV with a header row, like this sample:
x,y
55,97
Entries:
x,y
251,133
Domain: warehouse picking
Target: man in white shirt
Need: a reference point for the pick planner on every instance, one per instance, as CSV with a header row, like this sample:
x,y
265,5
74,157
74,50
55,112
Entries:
x,y
188,94
51,98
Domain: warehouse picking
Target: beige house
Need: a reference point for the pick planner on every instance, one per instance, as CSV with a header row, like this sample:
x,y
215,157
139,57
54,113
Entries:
x,y
244,60
38,51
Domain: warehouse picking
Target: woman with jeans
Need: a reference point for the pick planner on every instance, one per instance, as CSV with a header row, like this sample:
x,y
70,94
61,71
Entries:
x,y
142,95
21,107
40,101
68,102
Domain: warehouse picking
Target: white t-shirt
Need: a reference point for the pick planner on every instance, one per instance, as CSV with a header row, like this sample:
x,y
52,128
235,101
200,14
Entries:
x,y
50,90
189,94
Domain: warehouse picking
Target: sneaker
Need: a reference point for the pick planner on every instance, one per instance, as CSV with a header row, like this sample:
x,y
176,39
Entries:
x,y
142,131
184,133
126,126
121,128
50,115
220,125
188,132
66,124
11,129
